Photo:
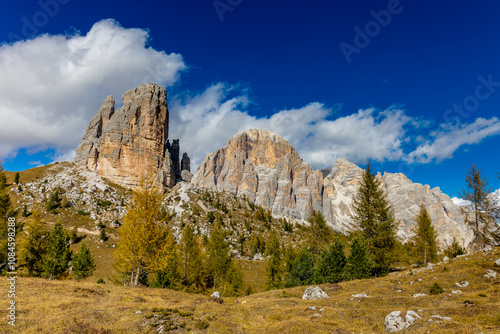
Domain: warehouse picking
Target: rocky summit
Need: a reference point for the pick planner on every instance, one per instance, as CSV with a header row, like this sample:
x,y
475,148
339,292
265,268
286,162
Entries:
x,y
125,144
269,172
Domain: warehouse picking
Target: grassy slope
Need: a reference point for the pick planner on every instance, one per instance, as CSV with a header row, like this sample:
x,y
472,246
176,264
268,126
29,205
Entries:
x,y
83,307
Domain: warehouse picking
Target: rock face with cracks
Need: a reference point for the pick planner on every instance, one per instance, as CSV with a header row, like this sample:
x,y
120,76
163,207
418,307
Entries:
x,y
127,144
266,169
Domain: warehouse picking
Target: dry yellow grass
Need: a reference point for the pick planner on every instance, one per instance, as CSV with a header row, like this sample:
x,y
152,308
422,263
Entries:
x,y
83,307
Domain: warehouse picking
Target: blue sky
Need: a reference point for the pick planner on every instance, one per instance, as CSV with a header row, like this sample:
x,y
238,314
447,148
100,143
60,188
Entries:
x,y
366,80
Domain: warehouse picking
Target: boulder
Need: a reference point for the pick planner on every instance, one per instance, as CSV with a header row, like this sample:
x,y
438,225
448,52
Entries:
x,y
490,274
462,284
313,293
497,262
446,259
394,322
186,176
360,295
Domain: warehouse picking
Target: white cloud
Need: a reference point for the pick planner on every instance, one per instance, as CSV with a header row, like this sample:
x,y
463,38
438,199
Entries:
x,y
52,85
449,138
205,123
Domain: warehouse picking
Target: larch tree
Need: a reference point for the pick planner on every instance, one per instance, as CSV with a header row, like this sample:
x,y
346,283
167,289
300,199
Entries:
x,y
481,210
375,218
142,234
425,238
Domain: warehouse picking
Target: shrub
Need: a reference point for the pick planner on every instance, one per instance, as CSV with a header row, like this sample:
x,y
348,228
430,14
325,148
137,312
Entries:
x,y
83,213
100,281
436,289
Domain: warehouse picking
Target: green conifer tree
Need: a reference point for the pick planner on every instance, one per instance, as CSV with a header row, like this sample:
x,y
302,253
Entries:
x,y
375,217
359,263
16,178
320,234
481,213
33,247
302,271
57,256
331,264
274,266
426,244
83,263
219,259
190,257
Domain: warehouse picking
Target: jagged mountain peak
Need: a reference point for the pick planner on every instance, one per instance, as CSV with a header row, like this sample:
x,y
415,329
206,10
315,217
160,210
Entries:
x,y
268,170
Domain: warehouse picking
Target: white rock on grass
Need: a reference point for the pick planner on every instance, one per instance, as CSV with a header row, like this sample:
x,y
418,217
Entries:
x,y
463,284
497,262
446,259
360,295
419,295
216,294
439,319
456,292
490,274
487,249
394,322
312,293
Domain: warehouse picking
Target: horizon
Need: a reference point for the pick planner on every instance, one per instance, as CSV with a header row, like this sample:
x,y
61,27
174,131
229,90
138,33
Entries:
x,y
363,81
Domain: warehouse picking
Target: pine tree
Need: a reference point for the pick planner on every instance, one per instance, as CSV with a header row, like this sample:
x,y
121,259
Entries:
x,y
190,257
274,266
33,247
320,234
302,271
218,255
16,178
426,237
480,213
57,256
83,263
142,236
331,264
375,217
359,262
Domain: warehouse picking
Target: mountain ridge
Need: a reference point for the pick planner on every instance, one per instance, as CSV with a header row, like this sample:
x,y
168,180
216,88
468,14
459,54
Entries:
x,y
249,165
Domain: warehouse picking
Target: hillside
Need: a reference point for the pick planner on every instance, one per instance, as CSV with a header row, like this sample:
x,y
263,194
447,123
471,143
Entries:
x,y
91,202
85,307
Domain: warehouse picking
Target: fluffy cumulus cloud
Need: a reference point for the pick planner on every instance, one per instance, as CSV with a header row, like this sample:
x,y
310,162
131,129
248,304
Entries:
x,y
206,122
449,138
52,85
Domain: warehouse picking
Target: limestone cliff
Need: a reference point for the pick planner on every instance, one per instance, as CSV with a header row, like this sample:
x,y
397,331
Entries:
x,y
267,169
126,144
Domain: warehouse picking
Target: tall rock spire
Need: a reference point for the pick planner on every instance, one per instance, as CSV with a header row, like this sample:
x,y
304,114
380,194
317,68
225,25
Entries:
x,y
127,144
